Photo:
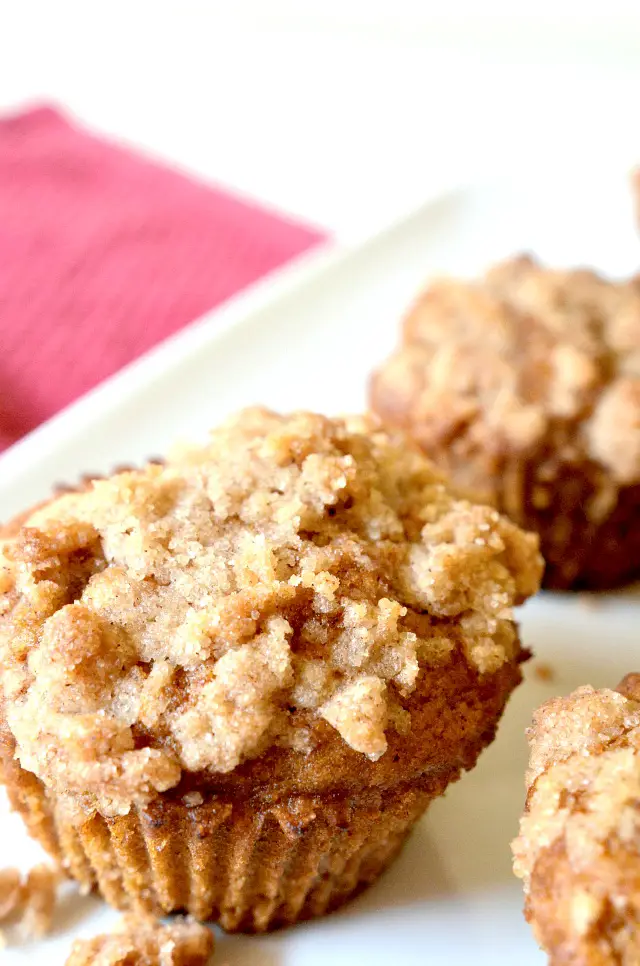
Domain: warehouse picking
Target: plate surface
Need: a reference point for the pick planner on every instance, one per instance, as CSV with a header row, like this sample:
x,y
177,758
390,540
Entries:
x,y
308,338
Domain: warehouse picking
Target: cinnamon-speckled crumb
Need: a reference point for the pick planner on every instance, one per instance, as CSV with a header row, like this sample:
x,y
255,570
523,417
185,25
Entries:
x,y
28,901
144,941
577,852
185,617
525,387
544,672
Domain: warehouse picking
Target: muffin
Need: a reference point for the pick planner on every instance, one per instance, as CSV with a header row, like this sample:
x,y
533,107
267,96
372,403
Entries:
x,y
524,387
578,852
233,682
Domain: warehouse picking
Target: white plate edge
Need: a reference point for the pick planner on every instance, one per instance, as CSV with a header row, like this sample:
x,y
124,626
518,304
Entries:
x,y
312,265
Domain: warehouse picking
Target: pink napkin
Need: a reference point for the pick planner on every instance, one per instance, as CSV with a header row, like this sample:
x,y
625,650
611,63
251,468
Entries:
x,y
104,253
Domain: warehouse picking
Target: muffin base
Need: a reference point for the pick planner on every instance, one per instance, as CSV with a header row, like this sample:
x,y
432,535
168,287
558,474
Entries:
x,y
588,526
589,533
249,866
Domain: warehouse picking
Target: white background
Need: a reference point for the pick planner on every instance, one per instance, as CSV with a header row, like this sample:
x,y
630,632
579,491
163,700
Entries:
x,y
345,113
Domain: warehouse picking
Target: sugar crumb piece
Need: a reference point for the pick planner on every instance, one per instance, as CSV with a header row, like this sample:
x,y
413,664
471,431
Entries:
x,y
359,714
10,892
544,672
39,902
586,909
143,941
28,902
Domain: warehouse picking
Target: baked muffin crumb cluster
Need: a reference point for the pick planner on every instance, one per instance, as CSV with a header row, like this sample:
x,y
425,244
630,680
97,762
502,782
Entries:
x,y
28,901
577,852
190,615
144,941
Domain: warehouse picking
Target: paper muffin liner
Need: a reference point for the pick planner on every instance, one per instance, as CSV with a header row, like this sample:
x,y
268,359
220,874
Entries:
x,y
246,865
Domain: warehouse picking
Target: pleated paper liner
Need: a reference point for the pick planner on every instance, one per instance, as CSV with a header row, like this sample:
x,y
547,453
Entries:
x,y
248,867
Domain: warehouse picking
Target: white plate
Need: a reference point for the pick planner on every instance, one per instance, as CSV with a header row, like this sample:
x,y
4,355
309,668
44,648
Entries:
x,y
309,338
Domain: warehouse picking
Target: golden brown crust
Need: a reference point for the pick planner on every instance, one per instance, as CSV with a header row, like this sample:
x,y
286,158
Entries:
x,y
283,602
577,851
525,388
143,941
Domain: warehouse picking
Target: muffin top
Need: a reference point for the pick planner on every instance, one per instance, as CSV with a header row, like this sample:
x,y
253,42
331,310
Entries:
x,y
578,846
293,574
505,359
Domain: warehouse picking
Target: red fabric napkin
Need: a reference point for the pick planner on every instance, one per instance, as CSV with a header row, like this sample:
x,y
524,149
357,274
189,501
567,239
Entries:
x,y
104,253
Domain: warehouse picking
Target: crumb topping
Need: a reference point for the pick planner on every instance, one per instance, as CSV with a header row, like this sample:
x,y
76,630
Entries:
x,y
143,941
502,359
577,850
184,616
585,746
28,901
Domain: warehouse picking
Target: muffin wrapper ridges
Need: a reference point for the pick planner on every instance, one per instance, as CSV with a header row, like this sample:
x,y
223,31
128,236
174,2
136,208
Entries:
x,y
249,866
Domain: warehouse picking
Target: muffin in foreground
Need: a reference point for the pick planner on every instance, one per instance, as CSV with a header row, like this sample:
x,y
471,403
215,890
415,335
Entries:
x,y
578,852
233,682
525,388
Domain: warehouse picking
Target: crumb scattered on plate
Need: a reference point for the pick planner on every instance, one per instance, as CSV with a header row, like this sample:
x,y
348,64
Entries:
x,y
145,941
544,672
28,901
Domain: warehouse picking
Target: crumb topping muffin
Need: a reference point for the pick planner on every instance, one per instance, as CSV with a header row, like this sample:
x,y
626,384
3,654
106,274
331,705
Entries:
x,y
187,616
233,682
525,387
577,852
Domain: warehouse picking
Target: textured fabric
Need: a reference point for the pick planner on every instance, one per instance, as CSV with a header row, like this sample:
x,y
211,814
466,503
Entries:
x,y
104,253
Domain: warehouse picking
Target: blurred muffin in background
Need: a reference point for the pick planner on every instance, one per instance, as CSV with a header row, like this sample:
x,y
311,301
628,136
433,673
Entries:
x,y
524,387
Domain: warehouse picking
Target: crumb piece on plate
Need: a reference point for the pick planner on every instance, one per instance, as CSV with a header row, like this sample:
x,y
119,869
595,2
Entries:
x,y
10,892
578,850
145,941
28,901
544,672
